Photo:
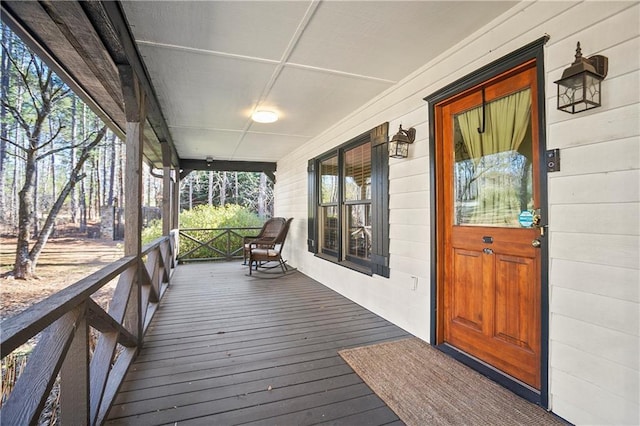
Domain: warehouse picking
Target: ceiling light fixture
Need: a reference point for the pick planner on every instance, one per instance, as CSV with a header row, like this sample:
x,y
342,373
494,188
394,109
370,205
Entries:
x,y
264,116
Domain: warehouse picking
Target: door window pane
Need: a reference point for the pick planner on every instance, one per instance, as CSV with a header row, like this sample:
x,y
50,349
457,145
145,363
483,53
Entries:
x,y
493,170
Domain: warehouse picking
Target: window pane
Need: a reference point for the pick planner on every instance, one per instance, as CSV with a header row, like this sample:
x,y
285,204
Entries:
x,y
357,173
329,180
359,230
493,170
329,229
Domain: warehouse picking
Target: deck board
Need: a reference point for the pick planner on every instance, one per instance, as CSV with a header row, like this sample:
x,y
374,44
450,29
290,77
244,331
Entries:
x,y
225,348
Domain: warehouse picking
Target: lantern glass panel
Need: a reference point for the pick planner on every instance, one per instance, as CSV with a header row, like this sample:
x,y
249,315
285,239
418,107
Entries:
x,y
398,149
579,92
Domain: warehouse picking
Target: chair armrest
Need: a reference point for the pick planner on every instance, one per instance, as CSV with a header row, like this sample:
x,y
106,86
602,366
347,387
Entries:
x,y
262,242
248,238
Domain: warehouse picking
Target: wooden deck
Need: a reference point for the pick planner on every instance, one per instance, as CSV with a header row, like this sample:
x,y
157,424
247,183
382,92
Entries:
x,y
224,348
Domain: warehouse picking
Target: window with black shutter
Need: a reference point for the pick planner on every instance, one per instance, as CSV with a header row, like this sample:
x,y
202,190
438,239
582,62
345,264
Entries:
x,y
349,203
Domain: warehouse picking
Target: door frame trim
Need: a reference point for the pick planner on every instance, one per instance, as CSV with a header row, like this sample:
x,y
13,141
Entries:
x,y
532,51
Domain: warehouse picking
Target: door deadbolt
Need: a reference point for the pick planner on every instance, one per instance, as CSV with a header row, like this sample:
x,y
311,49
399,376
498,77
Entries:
x,y
487,251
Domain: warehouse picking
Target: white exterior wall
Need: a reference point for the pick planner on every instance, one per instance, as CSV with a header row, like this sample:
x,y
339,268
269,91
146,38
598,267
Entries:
x,y
594,203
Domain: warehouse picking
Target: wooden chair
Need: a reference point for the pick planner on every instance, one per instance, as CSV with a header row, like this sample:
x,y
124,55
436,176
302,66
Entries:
x,y
261,255
266,238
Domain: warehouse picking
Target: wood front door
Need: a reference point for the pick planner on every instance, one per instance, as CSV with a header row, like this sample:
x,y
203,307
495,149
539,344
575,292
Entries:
x,y
489,193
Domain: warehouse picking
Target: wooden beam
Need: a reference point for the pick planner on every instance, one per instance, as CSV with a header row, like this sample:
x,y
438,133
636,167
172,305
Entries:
x,y
184,173
13,14
105,323
268,168
119,25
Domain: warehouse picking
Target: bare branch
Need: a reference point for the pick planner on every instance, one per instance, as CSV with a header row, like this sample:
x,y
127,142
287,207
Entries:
x,y
16,155
51,139
18,117
24,76
55,151
12,143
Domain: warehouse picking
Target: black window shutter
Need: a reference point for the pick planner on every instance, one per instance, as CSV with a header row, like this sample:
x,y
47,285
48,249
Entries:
x,y
311,220
380,200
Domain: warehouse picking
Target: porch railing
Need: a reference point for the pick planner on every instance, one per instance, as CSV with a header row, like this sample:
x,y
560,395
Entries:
x,y
206,244
88,383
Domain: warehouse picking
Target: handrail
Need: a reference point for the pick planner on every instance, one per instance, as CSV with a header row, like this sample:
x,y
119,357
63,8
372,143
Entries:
x,y
207,244
88,384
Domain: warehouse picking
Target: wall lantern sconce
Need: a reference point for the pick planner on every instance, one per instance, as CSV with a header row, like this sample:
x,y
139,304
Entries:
x,y
579,87
399,144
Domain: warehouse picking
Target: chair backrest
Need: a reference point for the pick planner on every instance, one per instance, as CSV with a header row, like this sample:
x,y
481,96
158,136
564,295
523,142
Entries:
x,y
272,227
279,243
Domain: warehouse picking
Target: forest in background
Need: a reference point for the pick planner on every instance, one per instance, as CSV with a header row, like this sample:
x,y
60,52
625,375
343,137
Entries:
x,y
59,164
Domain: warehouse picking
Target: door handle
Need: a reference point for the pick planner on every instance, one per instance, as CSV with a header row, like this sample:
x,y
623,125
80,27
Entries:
x,y
536,243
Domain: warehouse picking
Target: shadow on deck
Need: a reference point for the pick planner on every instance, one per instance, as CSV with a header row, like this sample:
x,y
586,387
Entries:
x,y
224,348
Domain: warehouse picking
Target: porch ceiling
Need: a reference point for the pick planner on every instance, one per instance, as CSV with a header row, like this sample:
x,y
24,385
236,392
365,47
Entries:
x,y
313,62
211,63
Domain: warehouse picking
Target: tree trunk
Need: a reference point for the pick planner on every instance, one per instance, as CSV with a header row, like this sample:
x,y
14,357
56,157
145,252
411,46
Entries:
x,y
52,164
191,192
22,268
96,190
262,196
34,191
223,190
83,208
112,169
34,254
235,188
4,130
103,179
210,193
73,197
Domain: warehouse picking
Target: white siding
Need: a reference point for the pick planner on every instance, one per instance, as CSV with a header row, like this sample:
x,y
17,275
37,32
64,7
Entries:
x,y
594,203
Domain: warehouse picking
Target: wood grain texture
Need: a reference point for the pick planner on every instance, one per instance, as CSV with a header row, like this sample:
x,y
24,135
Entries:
x,y
225,348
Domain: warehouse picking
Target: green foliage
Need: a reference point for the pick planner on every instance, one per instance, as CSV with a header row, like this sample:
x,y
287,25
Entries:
x,y
227,216
152,231
202,219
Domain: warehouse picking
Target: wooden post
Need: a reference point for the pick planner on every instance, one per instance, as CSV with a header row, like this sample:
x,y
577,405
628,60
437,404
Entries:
x,y
176,199
166,189
133,192
74,377
135,109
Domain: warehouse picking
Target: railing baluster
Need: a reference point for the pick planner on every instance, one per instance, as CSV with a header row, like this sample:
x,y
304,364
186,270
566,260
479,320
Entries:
x,y
106,346
30,393
74,377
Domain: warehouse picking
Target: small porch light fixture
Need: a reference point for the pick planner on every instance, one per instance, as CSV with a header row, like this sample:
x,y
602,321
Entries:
x,y
579,87
264,116
399,144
